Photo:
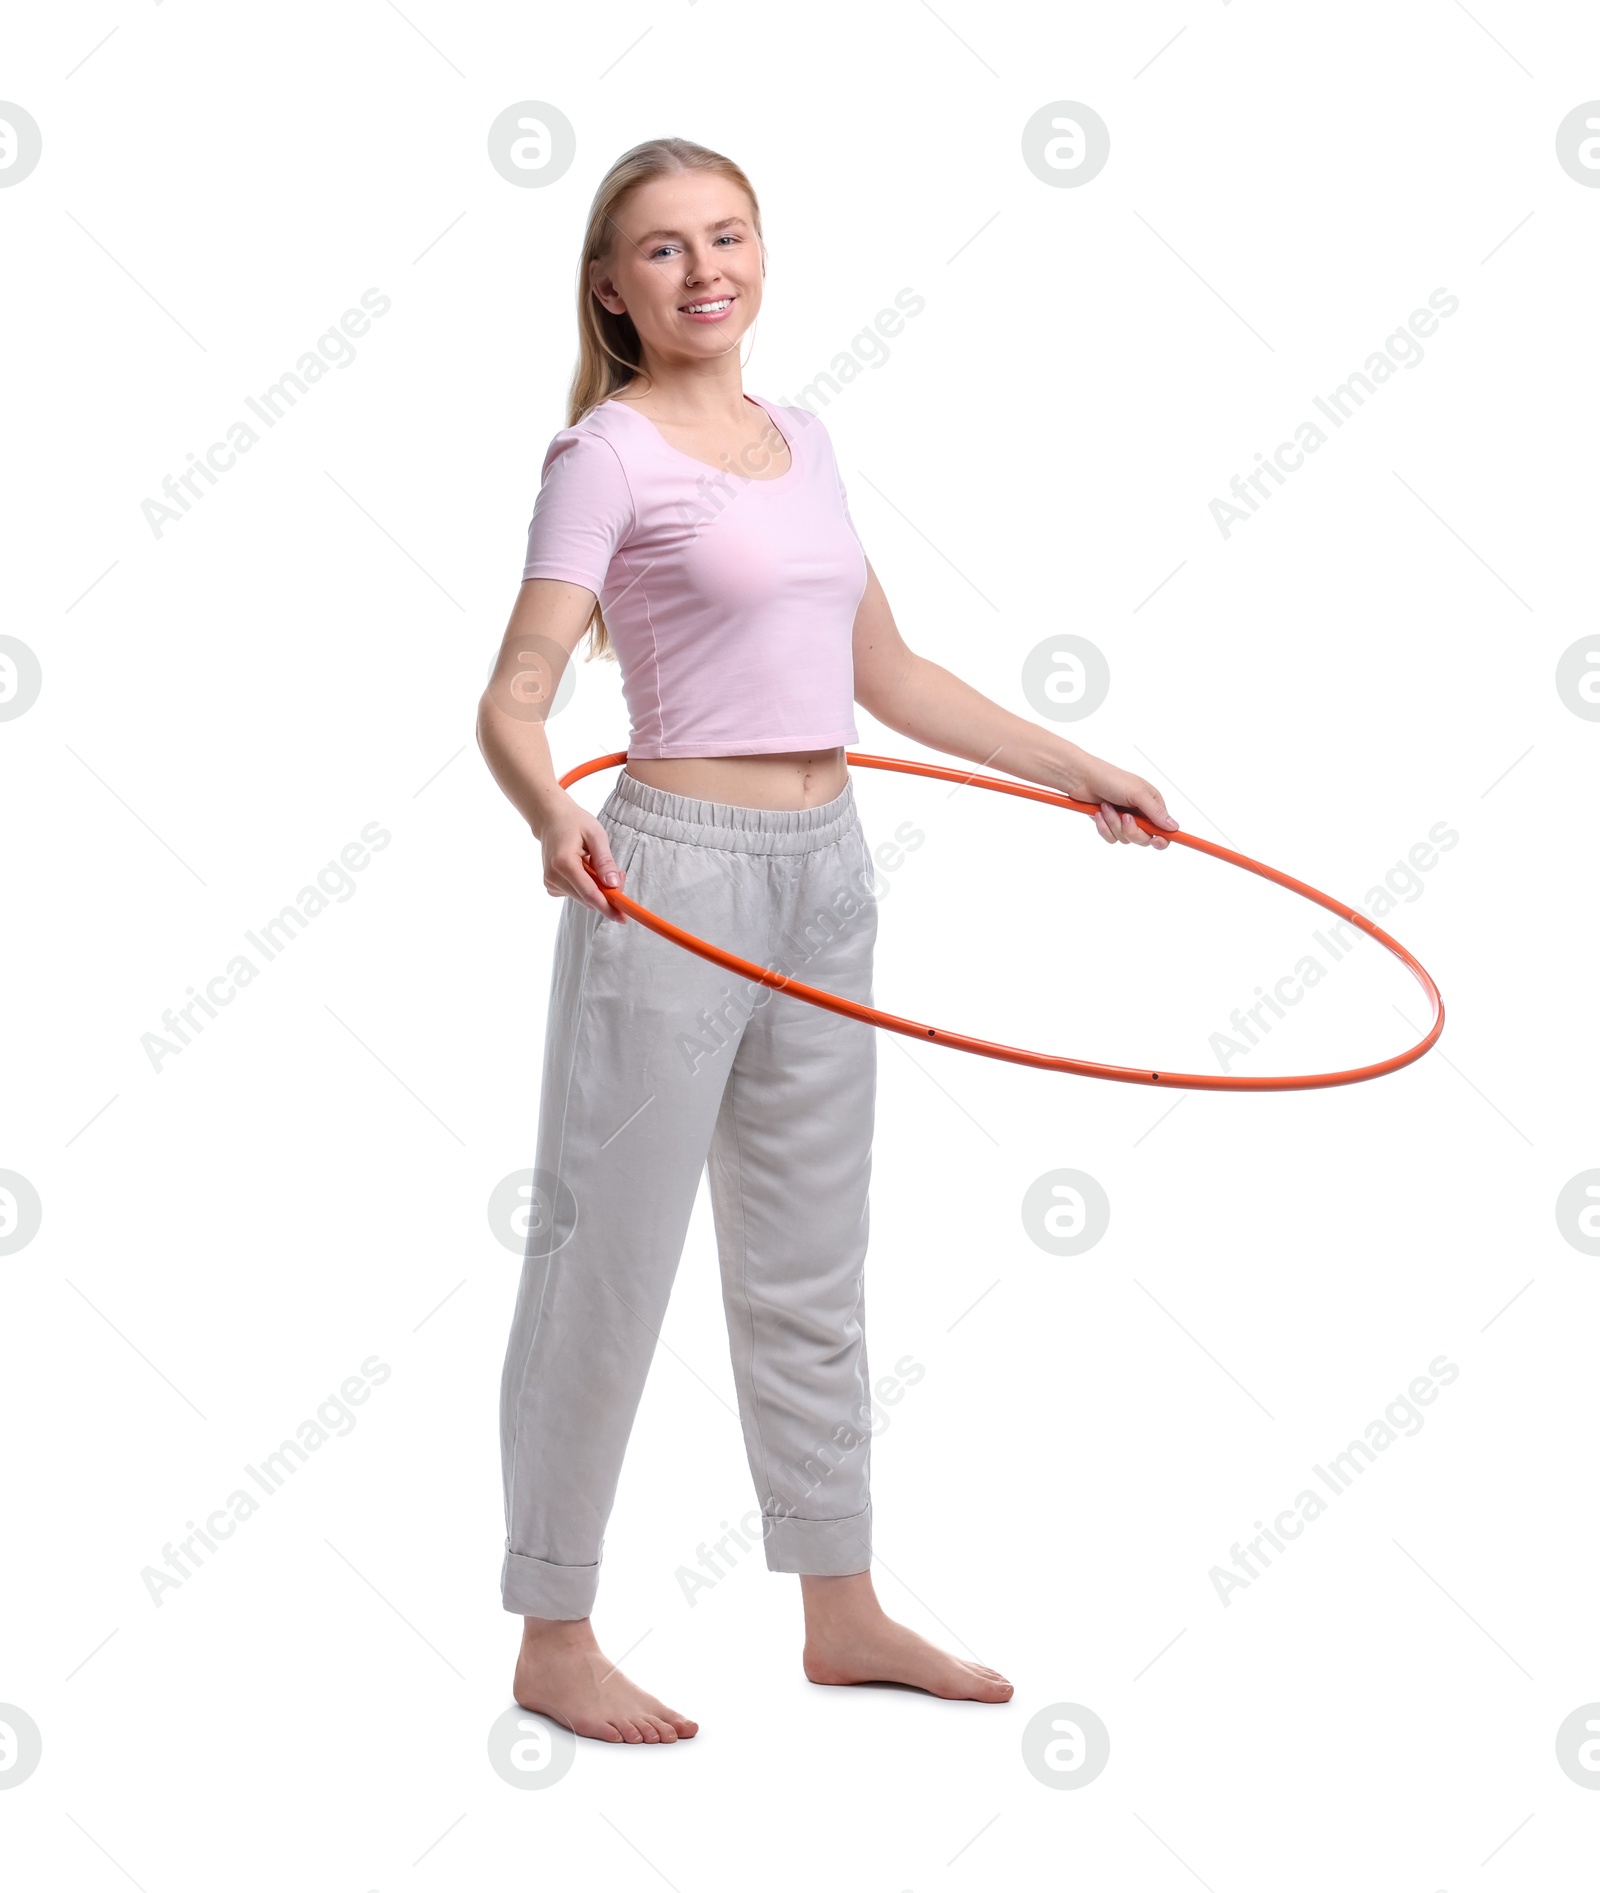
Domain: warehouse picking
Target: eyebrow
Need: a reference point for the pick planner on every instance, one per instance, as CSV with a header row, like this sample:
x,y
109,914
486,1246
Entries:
x,y
722,224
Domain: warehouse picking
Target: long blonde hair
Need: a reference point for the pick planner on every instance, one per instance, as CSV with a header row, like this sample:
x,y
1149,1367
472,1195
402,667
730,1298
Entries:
x,y
609,351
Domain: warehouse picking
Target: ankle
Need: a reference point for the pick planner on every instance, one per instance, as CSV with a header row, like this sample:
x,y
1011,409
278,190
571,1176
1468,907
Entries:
x,y
556,1633
840,1606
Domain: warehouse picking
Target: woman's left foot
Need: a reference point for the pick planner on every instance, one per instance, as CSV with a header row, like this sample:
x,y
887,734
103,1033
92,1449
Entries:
x,y
849,1639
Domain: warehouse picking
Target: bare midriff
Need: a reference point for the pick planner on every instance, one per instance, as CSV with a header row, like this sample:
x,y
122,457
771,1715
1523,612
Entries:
x,y
793,779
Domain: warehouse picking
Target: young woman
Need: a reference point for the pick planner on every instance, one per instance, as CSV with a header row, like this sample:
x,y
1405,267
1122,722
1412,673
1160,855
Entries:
x,y
712,529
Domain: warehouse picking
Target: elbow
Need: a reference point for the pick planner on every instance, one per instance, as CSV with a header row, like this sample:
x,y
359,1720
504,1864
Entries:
x,y
481,725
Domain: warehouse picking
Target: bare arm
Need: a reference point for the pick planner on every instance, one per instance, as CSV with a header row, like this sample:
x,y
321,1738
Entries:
x,y
547,620
934,707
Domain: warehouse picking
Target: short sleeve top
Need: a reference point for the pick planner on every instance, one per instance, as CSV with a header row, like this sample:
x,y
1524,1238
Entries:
x,y
730,602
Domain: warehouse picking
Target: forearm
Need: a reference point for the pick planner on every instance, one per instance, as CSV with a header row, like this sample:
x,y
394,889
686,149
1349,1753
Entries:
x,y
518,756
935,708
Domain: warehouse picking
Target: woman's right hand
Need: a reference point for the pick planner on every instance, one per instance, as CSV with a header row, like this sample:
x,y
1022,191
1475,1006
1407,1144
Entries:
x,y
570,835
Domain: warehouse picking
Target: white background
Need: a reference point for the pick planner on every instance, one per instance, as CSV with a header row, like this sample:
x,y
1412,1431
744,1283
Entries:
x,y
224,707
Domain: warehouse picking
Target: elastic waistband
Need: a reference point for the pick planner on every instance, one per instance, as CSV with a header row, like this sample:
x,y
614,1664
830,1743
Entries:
x,y
728,824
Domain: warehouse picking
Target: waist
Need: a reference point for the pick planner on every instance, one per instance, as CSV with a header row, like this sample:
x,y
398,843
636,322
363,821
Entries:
x,y
736,826
790,779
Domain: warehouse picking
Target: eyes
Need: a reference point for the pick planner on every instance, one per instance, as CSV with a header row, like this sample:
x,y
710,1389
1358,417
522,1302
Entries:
x,y
727,236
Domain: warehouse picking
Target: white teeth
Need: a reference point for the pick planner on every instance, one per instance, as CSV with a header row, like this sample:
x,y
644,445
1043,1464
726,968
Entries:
x,y
705,308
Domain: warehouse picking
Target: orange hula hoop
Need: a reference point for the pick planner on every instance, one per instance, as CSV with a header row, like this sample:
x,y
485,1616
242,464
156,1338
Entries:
x,y
1017,1055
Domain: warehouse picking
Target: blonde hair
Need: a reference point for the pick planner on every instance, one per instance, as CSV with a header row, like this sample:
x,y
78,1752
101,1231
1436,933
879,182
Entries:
x,y
609,351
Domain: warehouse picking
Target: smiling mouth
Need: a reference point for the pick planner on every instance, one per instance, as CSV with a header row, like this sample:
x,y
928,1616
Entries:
x,y
717,306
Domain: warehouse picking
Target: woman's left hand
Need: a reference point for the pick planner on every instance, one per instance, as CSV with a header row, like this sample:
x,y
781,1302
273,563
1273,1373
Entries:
x,y
1120,794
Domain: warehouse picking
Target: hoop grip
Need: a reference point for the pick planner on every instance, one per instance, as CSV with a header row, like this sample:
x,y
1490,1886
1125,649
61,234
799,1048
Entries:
x,y
1017,1055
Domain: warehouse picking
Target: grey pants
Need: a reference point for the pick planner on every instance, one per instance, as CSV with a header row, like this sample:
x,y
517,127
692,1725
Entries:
x,y
658,1063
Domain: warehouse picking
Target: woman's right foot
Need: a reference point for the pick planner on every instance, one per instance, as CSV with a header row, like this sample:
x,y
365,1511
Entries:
x,y
562,1673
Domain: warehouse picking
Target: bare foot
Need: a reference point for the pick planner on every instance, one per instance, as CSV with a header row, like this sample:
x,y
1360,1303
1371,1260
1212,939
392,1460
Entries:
x,y
561,1673
850,1640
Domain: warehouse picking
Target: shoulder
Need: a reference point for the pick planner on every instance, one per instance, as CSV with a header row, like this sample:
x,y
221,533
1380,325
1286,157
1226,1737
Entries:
x,y
591,445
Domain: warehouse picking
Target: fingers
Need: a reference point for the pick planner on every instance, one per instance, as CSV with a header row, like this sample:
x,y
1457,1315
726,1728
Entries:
x,y
567,875
1119,821
604,868
1118,824
1148,800
579,863
599,849
1121,824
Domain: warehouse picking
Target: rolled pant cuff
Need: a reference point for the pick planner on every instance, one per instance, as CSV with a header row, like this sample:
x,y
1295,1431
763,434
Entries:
x,y
821,1547
533,1587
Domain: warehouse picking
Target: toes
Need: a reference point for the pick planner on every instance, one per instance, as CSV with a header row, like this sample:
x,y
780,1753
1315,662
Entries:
x,y
665,1732
992,1686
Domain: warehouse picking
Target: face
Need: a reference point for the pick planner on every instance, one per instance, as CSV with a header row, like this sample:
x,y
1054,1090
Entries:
x,y
680,242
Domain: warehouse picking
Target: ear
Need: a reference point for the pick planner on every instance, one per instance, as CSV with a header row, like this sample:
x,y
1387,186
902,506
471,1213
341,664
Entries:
x,y
604,290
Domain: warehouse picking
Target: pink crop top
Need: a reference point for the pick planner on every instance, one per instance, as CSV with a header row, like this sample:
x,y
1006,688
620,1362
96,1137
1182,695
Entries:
x,y
731,602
